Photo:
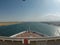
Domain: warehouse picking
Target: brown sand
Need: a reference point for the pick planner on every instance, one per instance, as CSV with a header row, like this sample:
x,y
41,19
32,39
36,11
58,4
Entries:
x,y
7,23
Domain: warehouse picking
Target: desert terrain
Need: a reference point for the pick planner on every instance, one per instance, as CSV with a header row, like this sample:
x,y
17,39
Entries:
x,y
7,23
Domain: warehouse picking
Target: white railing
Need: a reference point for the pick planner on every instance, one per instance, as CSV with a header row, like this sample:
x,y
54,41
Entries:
x,y
29,38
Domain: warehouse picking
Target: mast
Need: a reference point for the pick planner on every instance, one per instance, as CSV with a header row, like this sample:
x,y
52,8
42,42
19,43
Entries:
x,y
28,30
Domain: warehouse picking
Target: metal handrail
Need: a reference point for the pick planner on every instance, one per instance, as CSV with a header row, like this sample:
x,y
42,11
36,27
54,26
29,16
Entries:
x,y
30,38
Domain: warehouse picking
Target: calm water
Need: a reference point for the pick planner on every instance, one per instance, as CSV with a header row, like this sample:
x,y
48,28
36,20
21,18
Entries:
x,y
34,26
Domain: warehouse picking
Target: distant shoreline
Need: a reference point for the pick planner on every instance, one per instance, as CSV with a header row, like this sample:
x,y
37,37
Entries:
x,y
8,23
52,23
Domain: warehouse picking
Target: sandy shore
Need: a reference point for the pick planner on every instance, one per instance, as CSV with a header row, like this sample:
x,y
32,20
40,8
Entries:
x,y
7,23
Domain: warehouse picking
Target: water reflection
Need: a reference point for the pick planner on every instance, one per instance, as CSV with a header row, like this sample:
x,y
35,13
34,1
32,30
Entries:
x,y
57,32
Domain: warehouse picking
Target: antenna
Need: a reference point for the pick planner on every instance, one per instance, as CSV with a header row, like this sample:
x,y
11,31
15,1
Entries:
x,y
29,31
29,28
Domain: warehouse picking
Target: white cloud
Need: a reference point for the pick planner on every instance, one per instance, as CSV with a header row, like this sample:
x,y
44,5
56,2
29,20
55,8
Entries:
x,y
42,17
51,17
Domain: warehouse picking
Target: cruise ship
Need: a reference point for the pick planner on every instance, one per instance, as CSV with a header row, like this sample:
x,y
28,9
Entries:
x,y
29,38
30,35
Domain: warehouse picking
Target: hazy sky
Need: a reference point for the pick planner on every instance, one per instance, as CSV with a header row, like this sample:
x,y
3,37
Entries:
x,y
29,10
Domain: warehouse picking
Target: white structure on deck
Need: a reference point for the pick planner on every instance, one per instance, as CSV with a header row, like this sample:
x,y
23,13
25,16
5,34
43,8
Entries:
x,y
28,34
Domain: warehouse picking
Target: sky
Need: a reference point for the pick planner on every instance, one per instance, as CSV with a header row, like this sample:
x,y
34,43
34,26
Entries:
x,y
29,10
